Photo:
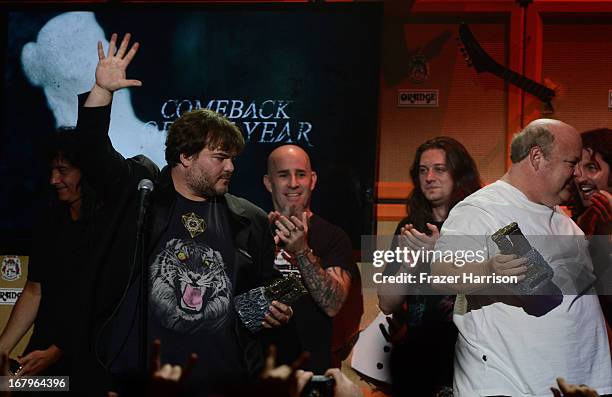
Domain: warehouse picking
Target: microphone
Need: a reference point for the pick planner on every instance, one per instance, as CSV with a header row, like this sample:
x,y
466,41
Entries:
x,y
145,187
145,184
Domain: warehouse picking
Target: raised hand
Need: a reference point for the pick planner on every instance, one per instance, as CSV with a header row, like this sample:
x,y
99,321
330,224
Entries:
x,y
167,380
110,72
285,380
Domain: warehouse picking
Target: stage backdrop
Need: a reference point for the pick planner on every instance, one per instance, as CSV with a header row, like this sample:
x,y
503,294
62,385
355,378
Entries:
x,y
305,74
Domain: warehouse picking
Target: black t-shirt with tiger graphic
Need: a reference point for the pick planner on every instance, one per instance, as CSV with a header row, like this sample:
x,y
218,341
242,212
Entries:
x,y
191,302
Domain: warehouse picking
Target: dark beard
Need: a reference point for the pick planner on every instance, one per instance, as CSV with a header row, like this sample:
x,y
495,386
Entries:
x,y
204,191
202,187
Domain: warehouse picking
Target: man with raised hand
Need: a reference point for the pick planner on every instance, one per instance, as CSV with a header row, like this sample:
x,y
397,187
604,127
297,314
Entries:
x,y
518,345
203,245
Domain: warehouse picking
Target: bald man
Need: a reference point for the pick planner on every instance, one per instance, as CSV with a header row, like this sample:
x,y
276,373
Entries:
x,y
509,349
311,248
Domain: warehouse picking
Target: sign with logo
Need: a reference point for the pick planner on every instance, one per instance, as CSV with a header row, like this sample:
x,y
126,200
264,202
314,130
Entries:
x,y
10,268
417,98
8,296
418,69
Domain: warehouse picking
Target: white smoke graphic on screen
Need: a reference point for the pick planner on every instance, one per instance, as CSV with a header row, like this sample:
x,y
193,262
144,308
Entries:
x,y
63,61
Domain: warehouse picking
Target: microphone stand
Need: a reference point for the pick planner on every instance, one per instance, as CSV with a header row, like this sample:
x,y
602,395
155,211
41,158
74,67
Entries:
x,y
143,296
142,305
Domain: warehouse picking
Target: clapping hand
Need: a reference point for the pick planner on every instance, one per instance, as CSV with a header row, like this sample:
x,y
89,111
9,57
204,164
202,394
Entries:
x,y
597,219
416,240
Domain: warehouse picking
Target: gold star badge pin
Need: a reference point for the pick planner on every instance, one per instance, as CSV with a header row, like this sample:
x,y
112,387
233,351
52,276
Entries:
x,y
194,224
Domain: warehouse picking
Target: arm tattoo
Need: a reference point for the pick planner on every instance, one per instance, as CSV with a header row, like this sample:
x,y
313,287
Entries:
x,y
326,290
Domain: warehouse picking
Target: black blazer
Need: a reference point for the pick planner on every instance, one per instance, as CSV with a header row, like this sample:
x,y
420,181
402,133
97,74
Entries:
x,y
115,180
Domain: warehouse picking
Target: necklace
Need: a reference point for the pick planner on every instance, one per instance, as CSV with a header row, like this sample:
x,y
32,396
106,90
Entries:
x,y
194,224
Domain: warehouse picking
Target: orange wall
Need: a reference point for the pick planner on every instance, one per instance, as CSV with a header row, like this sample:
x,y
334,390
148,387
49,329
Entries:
x,y
564,43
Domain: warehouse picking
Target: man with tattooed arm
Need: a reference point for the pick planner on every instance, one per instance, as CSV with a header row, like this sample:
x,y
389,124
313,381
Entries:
x,y
314,250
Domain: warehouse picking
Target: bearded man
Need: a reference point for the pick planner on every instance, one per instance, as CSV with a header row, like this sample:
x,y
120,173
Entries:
x,y
320,254
203,245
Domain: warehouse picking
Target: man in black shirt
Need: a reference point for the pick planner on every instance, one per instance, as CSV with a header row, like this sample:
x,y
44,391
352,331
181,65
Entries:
x,y
204,246
311,248
442,173
54,265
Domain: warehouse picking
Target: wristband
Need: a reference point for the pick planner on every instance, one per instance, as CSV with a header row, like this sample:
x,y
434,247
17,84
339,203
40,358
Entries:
x,y
303,253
